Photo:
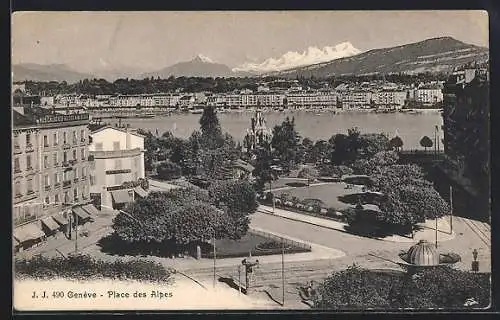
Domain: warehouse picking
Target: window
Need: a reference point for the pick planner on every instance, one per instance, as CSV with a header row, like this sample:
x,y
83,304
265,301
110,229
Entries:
x,y
17,167
17,187
82,135
92,180
74,155
76,173
56,198
46,180
116,145
45,141
75,137
28,139
16,141
118,164
45,162
65,137
28,162
54,158
66,197
56,178
29,185
55,138
47,200
98,146
75,193
82,152
65,156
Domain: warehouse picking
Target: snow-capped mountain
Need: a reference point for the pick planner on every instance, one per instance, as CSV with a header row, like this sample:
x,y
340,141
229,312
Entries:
x,y
293,59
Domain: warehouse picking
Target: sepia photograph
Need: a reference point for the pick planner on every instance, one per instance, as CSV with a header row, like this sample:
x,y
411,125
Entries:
x,y
251,160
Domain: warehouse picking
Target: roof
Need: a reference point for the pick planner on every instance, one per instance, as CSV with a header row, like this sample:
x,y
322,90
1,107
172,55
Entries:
x,y
50,223
422,254
28,232
61,219
141,192
82,214
90,209
121,196
102,128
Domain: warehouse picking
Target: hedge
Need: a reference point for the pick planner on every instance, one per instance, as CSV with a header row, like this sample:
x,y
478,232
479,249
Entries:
x,y
84,267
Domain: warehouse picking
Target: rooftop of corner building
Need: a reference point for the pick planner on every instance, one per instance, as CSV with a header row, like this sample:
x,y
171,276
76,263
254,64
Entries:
x,y
33,115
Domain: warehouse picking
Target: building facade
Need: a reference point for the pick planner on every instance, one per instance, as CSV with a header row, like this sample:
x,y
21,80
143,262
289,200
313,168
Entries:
x,y
117,166
50,173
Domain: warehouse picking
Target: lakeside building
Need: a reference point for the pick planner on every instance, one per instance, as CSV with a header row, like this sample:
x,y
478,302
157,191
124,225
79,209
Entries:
x,y
428,94
390,98
117,166
466,140
50,173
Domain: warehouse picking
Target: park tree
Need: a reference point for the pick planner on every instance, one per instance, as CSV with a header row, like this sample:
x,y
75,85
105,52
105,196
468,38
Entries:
x,y
263,170
319,151
396,143
309,174
371,165
372,143
210,127
168,170
285,142
426,142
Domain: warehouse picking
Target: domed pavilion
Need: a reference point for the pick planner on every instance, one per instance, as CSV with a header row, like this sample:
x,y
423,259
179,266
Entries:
x,y
424,254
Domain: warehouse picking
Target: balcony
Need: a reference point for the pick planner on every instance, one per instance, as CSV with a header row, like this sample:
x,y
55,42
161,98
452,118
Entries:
x,y
18,195
73,162
84,178
47,187
67,164
116,153
76,180
66,184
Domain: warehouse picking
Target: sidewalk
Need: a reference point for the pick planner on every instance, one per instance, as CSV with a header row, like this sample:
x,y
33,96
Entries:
x,y
426,233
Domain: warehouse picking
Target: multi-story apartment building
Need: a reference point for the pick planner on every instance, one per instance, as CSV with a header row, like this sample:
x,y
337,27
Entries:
x,y
356,98
428,94
50,173
388,98
117,166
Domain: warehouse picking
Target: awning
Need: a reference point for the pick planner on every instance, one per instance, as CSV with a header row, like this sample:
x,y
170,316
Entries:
x,y
141,192
28,232
59,218
82,214
121,196
371,207
50,223
90,209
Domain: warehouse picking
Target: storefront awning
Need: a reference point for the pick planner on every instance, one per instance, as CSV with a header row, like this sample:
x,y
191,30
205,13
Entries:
x,y
141,192
50,223
122,196
28,232
82,215
61,219
90,209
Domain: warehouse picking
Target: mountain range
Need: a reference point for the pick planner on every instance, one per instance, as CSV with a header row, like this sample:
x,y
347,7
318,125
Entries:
x,y
431,55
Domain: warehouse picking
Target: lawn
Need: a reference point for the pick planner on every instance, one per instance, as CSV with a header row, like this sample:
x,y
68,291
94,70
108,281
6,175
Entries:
x,y
258,244
328,193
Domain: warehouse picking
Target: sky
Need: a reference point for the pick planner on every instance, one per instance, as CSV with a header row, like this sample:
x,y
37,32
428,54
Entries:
x,y
88,41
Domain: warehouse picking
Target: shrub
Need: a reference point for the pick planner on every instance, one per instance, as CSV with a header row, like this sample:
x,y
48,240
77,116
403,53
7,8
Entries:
x,y
84,267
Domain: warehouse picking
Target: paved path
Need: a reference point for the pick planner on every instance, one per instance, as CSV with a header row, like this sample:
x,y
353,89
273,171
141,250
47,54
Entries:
x,y
427,232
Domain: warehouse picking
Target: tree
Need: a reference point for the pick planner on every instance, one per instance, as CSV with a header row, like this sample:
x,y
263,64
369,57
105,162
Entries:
x,y
371,165
210,127
262,168
396,143
168,170
308,173
426,142
285,142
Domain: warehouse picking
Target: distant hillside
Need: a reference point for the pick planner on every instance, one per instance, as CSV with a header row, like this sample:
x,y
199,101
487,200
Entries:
x,y
198,67
432,55
52,72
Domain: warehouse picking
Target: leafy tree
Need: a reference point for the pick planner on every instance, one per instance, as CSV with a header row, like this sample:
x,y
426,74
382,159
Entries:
x,y
262,168
168,170
210,127
308,173
426,142
396,143
372,143
335,171
319,152
371,165
196,221
285,142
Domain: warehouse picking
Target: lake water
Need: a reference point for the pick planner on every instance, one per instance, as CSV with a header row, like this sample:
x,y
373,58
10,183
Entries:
x,y
410,127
